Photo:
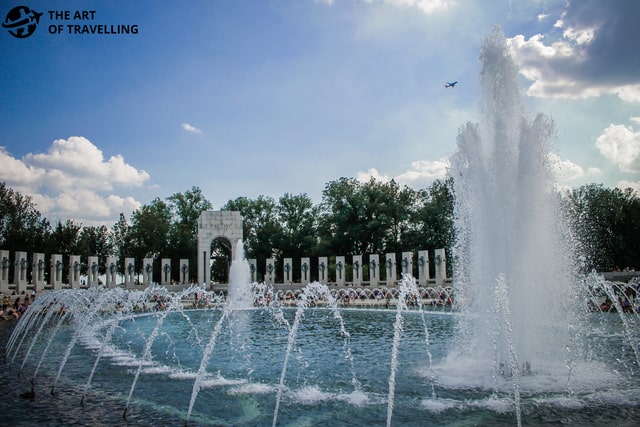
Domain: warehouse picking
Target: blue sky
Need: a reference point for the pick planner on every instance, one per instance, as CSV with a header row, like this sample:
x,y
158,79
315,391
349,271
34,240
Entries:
x,y
267,97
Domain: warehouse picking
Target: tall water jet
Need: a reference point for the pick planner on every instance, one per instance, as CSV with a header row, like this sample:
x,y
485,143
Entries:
x,y
240,295
510,235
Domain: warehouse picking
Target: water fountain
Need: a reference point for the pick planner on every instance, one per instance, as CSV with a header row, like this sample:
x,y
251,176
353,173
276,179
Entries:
x,y
521,348
524,329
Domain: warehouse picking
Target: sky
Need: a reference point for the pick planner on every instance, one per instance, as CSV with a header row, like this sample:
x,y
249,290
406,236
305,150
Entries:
x,y
267,97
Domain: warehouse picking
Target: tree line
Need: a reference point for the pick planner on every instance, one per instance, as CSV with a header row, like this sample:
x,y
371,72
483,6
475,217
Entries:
x,y
353,218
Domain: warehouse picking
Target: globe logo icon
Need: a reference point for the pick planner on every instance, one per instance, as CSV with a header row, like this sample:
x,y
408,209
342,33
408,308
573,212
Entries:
x,y
21,21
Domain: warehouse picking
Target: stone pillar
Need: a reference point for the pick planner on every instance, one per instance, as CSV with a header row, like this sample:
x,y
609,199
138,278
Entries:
x,y
270,271
184,271
129,271
147,271
287,270
374,269
423,268
75,268
37,273
21,265
305,271
340,271
112,272
5,265
323,270
93,271
165,272
253,270
55,275
441,267
407,263
357,270
390,265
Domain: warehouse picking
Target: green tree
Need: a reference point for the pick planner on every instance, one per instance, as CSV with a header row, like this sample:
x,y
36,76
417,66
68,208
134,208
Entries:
x,y
361,218
96,241
396,207
433,219
65,240
606,224
147,237
297,220
260,227
185,210
121,237
342,221
22,227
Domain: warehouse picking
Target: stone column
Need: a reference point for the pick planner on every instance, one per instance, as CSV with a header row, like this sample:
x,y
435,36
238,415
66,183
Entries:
x,y
5,265
374,269
129,271
253,270
357,270
75,268
390,265
93,271
147,271
21,265
407,263
305,271
441,267
323,270
287,270
423,268
112,272
165,272
56,271
184,271
39,268
340,270
270,271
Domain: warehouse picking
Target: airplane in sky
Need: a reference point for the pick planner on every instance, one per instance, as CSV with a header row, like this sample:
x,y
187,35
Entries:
x,y
452,84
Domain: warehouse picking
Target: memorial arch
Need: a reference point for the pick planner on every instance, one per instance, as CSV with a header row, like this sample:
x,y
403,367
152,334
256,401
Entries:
x,y
216,225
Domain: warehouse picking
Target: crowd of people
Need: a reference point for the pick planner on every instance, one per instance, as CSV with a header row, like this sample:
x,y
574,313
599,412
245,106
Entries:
x,y
15,308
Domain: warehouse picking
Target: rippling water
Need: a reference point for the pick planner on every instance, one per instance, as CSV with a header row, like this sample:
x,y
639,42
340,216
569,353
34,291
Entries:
x,y
244,371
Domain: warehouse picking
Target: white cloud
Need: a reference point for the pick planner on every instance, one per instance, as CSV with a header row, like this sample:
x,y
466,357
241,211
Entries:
x,y
76,162
590,58
69,181
423,172
629,93
427,6
621,145
16,173
372,173
420,175
623,185
582,36
190,128
565,171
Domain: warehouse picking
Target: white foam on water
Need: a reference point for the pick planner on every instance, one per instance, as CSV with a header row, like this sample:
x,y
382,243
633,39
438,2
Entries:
x,y
252,388
440,405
